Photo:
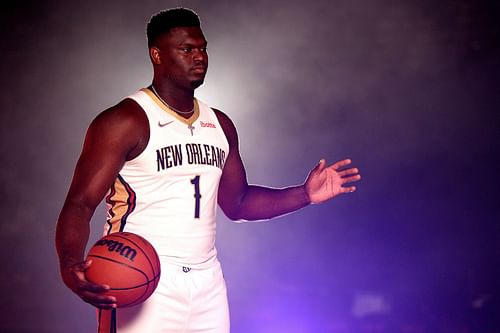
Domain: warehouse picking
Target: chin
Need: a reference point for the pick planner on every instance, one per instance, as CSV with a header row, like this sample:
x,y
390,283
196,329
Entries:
x,y
195,84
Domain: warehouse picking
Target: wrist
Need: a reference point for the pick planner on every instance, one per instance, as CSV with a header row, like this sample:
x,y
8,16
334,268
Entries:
x,y
68,262
306,199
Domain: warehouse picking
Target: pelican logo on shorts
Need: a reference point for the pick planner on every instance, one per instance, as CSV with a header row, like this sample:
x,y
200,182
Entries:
x,y
125,251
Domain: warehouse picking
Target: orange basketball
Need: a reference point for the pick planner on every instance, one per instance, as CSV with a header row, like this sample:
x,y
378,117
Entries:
x,y
127,263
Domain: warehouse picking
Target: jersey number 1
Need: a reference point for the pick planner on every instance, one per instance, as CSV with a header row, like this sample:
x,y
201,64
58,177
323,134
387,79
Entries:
x,y
197,196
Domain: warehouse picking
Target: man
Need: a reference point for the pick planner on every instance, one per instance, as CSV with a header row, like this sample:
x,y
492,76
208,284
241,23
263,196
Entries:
x,y
165,160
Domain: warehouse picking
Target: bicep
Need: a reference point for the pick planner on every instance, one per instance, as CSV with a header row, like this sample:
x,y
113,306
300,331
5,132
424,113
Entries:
x,y
233,184
95,171
108,141
233,181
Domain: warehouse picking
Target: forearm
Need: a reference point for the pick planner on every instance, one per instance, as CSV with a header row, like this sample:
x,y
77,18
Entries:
x,y
72,233
263,203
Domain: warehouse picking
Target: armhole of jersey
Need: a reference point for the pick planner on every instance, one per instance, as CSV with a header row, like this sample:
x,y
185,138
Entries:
x,y
221,129
136,97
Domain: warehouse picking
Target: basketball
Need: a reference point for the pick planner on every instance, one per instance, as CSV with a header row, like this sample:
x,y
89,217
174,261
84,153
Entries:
x,y
128,264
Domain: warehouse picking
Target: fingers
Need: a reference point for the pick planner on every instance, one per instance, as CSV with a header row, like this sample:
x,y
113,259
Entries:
x,y
348,172
95,294
341,164
348,189
94,287
351,174
90,292
98,300
348,175
351,179
336,166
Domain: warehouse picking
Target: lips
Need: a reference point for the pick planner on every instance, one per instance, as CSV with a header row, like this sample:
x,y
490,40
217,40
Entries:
x,y
199,69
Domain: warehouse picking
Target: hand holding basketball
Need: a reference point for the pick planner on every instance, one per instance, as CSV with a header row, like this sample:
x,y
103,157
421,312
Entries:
x,y
128,264
92,293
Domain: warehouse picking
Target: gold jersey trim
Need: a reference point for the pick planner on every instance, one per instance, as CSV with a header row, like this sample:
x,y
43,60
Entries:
x,y
188,121
121,203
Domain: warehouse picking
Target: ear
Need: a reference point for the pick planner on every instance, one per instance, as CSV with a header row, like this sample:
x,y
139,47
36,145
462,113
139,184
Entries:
x,y
154,54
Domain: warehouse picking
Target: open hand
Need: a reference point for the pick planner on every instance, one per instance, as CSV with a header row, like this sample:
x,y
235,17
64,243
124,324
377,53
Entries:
x,y
325,182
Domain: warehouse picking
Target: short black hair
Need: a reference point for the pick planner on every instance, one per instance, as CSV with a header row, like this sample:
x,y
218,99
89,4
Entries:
x,y
168,19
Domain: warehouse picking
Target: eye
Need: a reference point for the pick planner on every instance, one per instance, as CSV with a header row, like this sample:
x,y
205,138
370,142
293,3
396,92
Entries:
x,y
204,49
187,50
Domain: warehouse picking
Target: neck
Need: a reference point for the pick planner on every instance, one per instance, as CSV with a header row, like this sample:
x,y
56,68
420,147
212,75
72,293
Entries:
x,y
180,100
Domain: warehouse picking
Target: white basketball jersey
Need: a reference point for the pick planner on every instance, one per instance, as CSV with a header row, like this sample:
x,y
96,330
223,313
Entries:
x,y
168,194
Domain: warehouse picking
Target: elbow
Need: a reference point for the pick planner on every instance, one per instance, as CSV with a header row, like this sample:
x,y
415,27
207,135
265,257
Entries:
x,y
238,212
231,209
233,215
238,216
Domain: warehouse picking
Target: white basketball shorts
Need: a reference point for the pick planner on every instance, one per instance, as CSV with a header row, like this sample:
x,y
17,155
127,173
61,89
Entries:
x,y
186,300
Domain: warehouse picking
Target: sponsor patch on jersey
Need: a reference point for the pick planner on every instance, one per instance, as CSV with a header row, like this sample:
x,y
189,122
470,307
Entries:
x,y
206,124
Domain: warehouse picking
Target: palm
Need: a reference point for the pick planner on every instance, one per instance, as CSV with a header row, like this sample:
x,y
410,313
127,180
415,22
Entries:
x,y
325,182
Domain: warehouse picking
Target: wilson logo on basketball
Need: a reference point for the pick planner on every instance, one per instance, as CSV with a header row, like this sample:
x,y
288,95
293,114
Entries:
x,y
125,251
203,124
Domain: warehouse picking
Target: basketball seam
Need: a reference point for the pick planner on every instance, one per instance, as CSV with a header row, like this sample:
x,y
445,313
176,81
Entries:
x,y
131,287
144,252
121,263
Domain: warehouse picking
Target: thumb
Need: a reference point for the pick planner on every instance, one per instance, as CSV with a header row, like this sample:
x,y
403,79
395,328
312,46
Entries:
x,y
81,266
321,165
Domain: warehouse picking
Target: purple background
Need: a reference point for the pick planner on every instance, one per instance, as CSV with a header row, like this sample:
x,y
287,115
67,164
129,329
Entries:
x,y
408,89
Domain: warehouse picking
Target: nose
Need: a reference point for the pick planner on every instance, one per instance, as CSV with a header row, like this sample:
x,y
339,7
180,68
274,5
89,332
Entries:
x,y
199,55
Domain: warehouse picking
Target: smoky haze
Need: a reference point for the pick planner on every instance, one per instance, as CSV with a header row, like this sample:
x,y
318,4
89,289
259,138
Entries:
x,y
408,89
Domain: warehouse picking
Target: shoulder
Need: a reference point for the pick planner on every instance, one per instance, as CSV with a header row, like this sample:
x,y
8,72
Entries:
x,y
227,126
125,124
127,112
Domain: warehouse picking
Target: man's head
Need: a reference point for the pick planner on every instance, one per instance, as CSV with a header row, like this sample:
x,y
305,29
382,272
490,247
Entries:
x,y
166,20
177,48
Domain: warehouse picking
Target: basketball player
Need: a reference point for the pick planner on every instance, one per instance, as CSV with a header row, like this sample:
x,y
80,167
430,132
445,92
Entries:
x,y
163,160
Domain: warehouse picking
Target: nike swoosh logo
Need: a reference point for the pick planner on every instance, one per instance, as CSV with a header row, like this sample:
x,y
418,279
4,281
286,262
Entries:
x,y
164,124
